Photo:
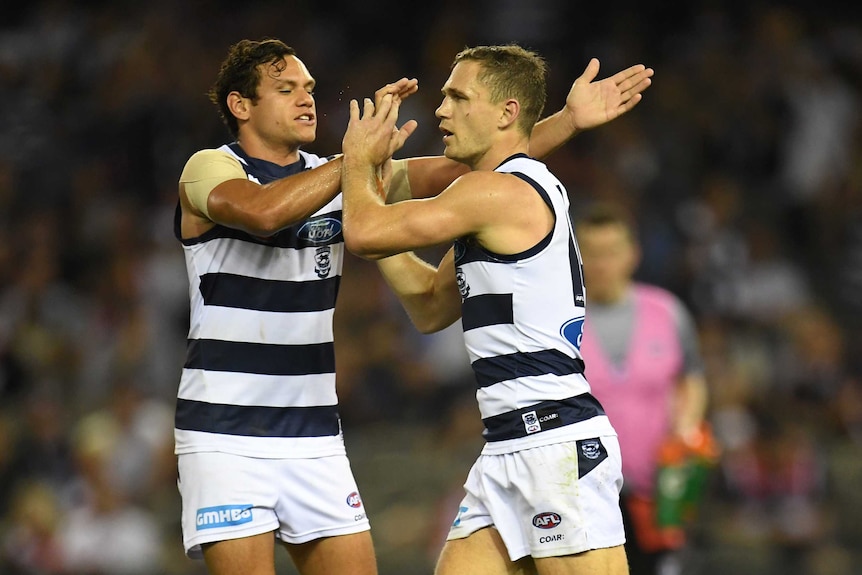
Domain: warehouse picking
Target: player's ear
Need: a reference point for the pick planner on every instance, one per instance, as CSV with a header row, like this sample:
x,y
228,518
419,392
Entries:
x,y
509,113
238,105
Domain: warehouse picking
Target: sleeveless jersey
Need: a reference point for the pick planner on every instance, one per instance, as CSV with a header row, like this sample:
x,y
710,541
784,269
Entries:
x,y
522,317
259,376
638,394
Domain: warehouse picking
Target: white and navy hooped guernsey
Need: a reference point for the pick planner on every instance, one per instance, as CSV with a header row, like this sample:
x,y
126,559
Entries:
x,y
522,316
259,377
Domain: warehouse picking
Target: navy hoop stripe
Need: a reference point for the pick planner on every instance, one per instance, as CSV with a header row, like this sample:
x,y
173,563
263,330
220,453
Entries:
x,y
243,292
488,309
259,358
257,421
491,370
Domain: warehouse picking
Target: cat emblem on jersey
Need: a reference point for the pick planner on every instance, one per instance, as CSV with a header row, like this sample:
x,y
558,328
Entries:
x,y
531,422
463,286
323,263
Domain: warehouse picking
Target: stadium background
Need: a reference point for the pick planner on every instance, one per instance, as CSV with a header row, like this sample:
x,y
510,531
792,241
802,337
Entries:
x,y
743,165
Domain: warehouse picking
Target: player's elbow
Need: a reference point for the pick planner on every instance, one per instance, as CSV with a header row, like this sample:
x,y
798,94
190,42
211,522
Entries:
x,y
428,327
265,223
360,242
250,219
432,325
431,319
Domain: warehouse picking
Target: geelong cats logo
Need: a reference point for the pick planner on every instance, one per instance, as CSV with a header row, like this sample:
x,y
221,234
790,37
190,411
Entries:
x,y
323,262
463,286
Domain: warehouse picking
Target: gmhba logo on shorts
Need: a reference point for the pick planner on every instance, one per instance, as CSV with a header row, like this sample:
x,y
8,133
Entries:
x,y
223,516
547,520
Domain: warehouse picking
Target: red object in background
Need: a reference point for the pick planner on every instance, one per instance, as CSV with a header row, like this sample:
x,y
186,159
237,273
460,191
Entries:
x,y
683,470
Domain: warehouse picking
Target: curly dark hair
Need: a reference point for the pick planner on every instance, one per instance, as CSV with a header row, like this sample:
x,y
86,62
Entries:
x,y
240,72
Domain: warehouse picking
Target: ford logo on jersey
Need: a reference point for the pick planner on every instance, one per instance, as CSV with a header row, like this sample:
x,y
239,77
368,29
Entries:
x,y
573,331
320,230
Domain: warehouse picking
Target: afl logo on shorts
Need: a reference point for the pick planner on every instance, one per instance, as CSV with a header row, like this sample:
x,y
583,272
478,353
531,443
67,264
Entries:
x,y
547,520
353,500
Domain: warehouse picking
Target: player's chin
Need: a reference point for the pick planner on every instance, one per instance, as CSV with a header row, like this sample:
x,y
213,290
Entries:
x,y
306,139
452,154
307,134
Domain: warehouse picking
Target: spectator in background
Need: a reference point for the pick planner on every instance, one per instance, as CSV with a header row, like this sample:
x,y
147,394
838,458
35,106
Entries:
x,y
30,543
643,363
103,531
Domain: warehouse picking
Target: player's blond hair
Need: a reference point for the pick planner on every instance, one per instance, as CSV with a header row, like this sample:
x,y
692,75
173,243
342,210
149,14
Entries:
x,y
510,71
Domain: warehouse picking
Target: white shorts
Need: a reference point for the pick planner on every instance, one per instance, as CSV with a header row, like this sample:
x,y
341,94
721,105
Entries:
x,y
547,501
228,496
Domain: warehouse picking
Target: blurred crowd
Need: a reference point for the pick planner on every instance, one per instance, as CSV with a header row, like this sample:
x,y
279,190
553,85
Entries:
x,y
743,164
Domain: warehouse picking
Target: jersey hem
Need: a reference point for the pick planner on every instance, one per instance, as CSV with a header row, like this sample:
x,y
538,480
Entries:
x,y
293,454
597,426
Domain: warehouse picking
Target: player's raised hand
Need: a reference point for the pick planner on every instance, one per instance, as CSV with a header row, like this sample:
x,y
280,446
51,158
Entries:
x,y
592,103
401,88
372,136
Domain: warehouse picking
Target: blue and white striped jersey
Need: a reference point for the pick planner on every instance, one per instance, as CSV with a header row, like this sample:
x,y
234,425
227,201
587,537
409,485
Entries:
x,y
522,316
259,377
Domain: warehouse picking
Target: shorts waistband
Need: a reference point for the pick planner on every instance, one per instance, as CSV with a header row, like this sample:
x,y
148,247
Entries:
x,y
541,417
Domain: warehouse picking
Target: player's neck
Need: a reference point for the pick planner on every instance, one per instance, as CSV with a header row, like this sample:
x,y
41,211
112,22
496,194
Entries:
x,y
499,153
261,149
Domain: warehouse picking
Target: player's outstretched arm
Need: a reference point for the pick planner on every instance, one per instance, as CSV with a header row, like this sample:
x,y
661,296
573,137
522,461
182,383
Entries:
x,y
214,188
590,104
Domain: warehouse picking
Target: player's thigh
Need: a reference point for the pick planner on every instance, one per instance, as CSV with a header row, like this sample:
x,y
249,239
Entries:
x,y
605,561
254,555
343,554
480,553
225,497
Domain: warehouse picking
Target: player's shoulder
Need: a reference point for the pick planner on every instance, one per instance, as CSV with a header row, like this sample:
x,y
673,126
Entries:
x,y
489,192
484,178
204,163
212,155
